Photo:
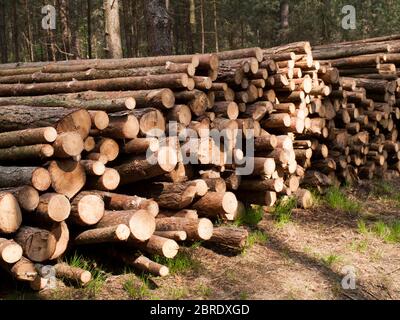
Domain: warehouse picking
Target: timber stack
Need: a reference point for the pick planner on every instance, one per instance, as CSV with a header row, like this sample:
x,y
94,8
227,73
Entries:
x,y
97,151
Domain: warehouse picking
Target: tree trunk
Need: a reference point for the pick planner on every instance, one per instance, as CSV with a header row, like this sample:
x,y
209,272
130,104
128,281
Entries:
x,y
117,233
157,245
38,244
113,32
158,26
39,178
203,40
15,33
27,197
66,29
64,271
89,28
196,229
141,223
114,201
3,33
64,120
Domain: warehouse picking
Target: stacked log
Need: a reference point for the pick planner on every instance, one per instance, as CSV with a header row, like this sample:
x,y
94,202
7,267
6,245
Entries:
x,y
137,155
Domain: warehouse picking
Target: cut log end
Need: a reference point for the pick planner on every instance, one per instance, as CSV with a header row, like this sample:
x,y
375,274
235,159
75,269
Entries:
x,y
142,225
205,229
41,179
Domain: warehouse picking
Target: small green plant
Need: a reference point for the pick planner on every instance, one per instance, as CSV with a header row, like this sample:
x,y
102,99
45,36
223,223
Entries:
x,y
283,210
182,262
178,293
204,291
196,244
383,188
360,246
258,237
243,295
251,217
135,291
387,232
362,227
336,199
330,259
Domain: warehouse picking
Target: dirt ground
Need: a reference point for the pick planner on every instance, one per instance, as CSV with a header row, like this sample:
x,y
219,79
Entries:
x,y
305,258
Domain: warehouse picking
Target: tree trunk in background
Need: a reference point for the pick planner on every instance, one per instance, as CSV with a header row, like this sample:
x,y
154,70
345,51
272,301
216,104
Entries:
x,y
158,26
127,21
15,30
3,33
89,28
66,30
284,19
203,39
192,22
29,33
216,25
113,32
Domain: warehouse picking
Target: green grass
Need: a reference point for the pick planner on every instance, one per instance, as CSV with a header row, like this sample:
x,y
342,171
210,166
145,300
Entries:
x,y
330,259
362,227
360,246
283,210
204,291
386,190
252,216
257,237
182,262
389,232
98,275
135,291
336,199
177,293
243,296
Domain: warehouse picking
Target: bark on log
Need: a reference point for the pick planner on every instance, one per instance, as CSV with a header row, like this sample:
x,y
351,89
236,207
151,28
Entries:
x,y
27,197
157,245
63,120
196,229
114,201
215,204
28,137
118,233
80,276
33,152
39,178
38,244
233,238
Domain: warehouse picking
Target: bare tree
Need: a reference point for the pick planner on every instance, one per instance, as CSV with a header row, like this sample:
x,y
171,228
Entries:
x,y
284,19
113,32
158,24
3,33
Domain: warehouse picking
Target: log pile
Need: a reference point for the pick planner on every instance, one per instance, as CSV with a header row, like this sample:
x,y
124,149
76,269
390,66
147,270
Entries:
x,y
141,154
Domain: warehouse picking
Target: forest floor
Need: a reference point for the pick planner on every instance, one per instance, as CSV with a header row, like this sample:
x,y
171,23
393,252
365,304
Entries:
x,y
304,254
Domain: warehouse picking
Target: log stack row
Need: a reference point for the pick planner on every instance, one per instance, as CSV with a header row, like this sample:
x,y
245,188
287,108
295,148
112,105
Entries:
x,y
137,155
